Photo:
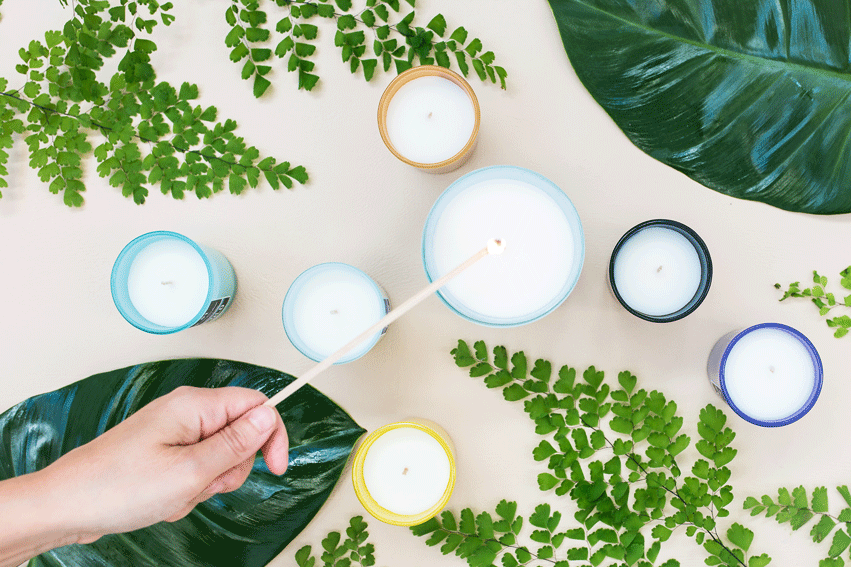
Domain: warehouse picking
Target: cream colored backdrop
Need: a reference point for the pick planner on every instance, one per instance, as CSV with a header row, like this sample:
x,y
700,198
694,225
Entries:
x,y
365,208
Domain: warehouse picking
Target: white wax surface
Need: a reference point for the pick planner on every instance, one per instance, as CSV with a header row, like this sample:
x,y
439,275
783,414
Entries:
x,y
769,374
406,471
539,251
168,283
657,271
430,119
333,306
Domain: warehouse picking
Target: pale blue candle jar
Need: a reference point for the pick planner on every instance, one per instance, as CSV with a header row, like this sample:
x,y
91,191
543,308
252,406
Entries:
x,y
330,304
162,282
543,257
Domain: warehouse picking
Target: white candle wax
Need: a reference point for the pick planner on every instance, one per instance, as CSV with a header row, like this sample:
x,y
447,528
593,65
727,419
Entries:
x,y
332,305
769,374
539,255
168,283
657,271
406,471
430,119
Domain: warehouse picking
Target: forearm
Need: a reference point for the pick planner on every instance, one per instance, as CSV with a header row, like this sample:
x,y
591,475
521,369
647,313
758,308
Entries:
x,y
31,518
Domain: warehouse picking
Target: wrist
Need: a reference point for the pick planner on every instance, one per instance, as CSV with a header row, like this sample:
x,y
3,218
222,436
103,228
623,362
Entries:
x,y
34,522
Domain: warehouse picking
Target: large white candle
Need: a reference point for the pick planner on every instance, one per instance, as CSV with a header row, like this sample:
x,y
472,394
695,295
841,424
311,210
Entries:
x,y
430,119
545,248
770,374
657,271
406,471
168,283
328,306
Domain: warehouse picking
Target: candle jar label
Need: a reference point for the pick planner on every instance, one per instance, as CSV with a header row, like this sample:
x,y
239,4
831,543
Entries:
x,y
386,309
215,310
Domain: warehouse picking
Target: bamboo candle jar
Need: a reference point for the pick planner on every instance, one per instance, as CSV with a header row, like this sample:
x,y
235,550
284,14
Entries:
x,y
429,118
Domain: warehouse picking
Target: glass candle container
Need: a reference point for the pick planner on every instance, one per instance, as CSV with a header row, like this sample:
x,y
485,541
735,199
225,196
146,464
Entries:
x,y
404,473
330,304
429,118
769,374
660,271
544,246
163,282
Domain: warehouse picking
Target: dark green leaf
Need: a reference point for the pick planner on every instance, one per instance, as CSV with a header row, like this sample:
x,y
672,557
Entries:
x,y
747,104
260,85
425,528
481,369
247,527
468,522
481,350
462,354
498,379
507,510
438,24
514,392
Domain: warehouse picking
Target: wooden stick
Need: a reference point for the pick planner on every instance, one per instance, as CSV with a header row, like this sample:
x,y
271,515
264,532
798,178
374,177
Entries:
x,y
493,247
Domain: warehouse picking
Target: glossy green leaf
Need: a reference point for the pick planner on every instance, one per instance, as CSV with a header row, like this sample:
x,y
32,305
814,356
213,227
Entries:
x,y
248,527
747,98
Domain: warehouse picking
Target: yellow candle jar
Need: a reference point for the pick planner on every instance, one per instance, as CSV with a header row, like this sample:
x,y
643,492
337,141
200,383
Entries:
x,y
404,473
429,118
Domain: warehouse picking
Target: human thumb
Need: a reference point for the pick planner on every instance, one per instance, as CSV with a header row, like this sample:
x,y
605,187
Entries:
x,y
236,442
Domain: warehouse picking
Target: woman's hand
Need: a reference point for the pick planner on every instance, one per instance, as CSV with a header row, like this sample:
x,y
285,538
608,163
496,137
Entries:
x,y
155,466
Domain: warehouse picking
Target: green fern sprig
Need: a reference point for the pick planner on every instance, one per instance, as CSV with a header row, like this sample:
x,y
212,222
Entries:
x,y
620,495
337,552
153,134
796,509
824,300
395,41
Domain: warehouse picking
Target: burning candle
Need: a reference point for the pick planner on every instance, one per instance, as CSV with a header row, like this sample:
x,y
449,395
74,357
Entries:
x,y
660,271
163,282
541,263
429,118
404,473
769,374
329,305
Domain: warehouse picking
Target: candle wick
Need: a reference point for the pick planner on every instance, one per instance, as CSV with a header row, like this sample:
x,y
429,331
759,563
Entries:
x,y
404,472
659,270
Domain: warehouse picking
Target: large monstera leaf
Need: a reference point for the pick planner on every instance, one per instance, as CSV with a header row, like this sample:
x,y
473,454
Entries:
x,y
748,97
246,528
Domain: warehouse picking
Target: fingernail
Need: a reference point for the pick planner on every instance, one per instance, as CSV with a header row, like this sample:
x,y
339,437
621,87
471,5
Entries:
x,y
262,418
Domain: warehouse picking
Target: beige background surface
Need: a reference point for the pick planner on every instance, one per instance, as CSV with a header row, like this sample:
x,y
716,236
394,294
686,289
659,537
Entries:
x,y
365,208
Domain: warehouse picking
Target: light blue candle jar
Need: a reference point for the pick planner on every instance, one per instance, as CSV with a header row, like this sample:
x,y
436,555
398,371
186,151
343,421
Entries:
x,y
769,374
163,282
544,246
328,305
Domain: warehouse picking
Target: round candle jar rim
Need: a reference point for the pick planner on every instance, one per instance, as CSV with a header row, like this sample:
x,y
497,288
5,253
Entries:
x,y
366,499
132,315
702,254
537,180
417,73
817,365
288,308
